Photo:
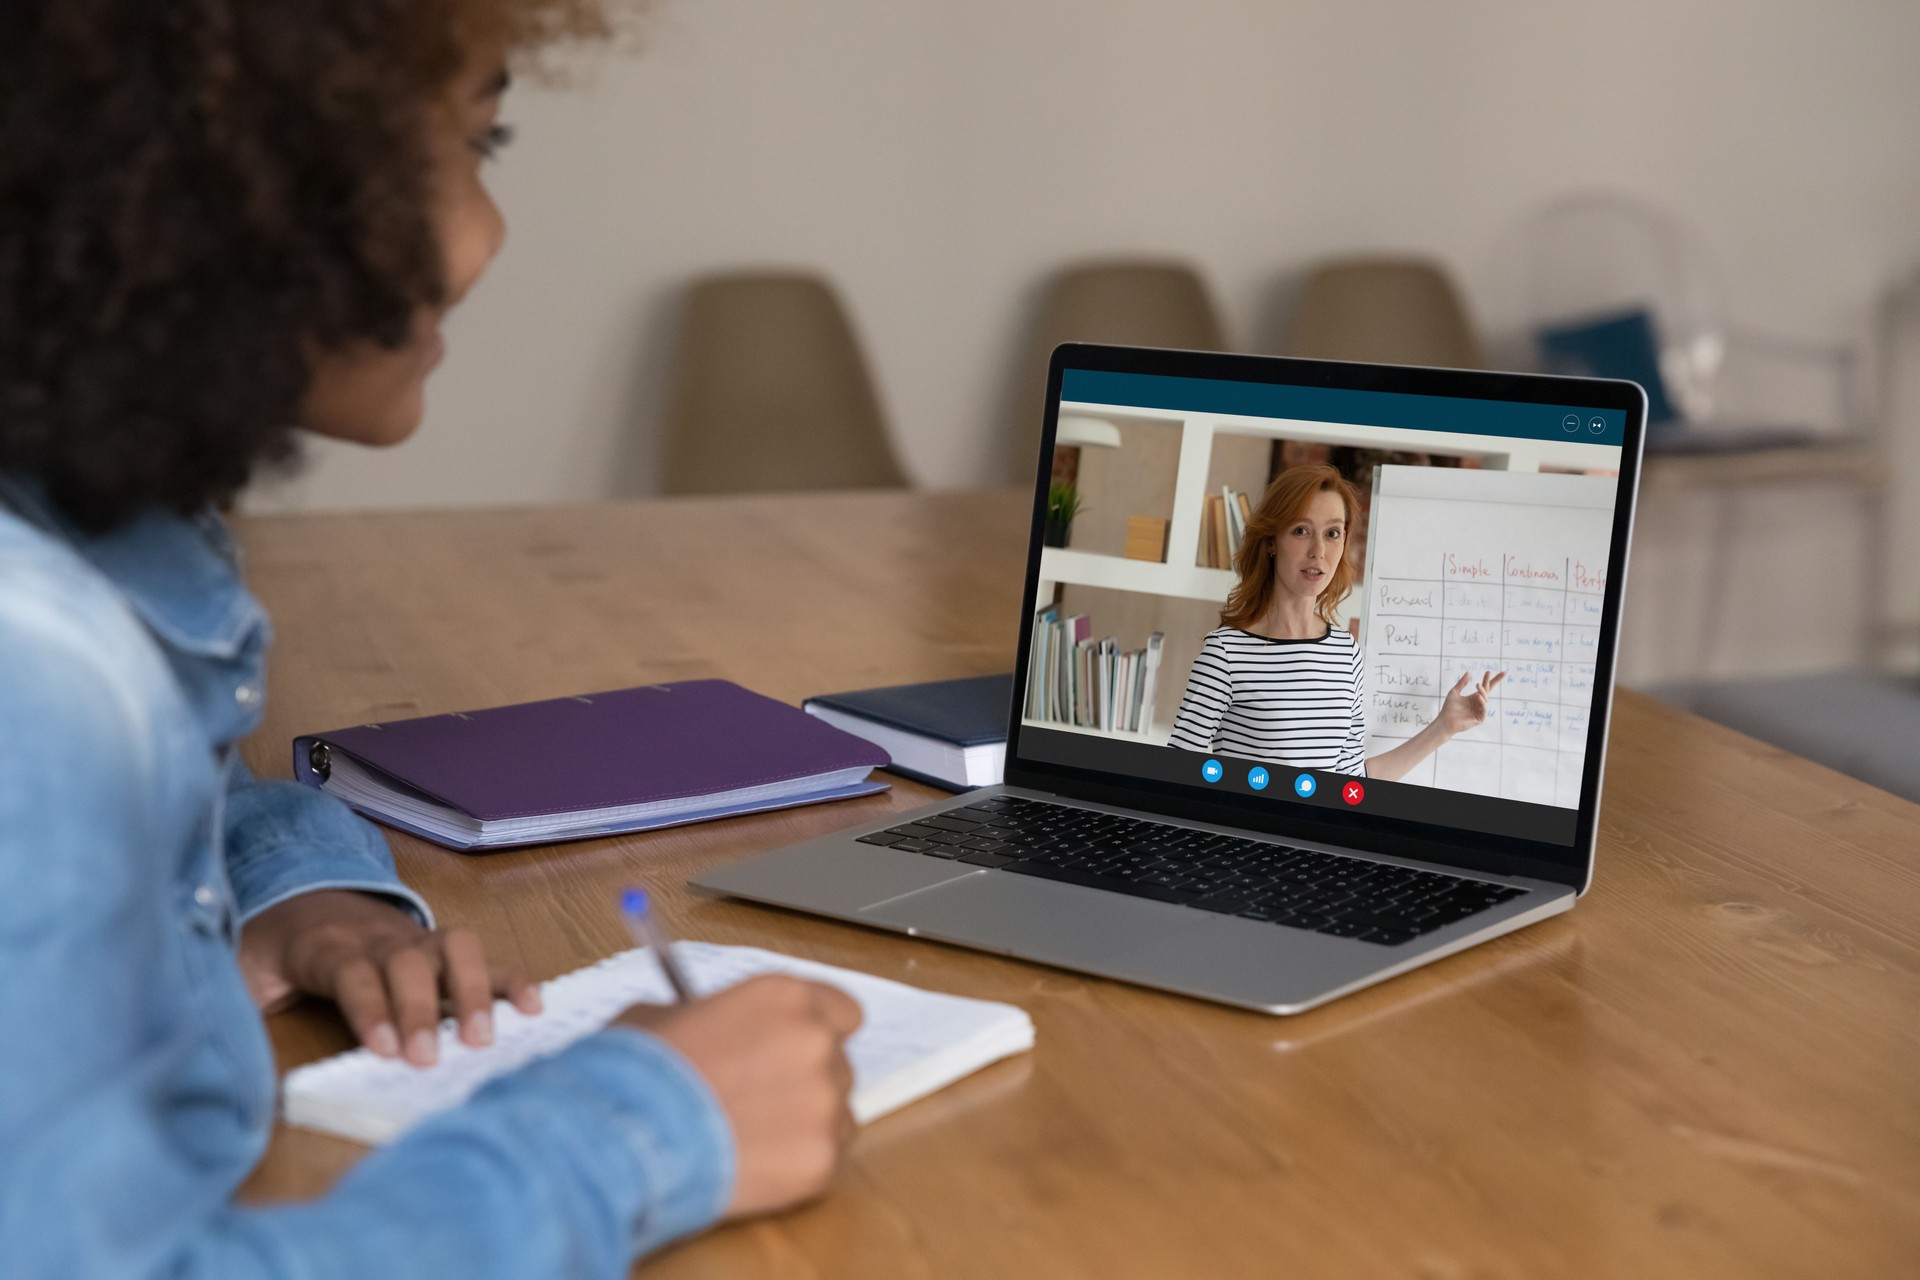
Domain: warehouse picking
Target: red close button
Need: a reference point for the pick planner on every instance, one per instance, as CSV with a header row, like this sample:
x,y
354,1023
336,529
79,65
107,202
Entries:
x,y
1353,793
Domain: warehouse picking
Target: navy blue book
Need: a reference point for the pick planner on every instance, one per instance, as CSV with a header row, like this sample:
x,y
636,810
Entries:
x,y
951,733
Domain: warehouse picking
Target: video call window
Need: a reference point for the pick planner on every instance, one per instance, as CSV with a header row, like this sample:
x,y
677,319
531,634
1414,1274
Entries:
x,y
1419,606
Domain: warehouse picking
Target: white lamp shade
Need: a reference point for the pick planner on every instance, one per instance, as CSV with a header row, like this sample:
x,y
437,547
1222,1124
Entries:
x,y
1079,429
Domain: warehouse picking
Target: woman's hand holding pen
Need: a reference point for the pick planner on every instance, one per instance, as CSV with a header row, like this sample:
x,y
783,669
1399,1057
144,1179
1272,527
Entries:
x,y
773,1050
1466,707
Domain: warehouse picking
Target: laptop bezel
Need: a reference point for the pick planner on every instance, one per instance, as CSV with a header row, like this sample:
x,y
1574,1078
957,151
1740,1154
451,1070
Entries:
x,y
1454,847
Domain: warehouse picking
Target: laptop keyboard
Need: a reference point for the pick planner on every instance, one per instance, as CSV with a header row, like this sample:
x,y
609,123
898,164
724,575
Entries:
x,y
1376,902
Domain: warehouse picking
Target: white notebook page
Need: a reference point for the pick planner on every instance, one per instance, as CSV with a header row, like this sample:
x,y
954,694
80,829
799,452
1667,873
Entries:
x,y
912,1042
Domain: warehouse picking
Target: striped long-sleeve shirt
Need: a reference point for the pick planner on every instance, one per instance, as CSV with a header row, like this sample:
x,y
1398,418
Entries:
x,y
1291,702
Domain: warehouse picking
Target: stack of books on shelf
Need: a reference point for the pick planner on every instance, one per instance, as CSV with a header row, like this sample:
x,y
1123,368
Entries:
x,y
1223,523
1073,679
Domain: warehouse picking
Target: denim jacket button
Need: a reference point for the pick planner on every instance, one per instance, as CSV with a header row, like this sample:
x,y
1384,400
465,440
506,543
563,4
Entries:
x,y
205,896
247,694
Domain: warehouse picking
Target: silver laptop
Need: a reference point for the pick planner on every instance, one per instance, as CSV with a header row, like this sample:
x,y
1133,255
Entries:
x,y
1312,687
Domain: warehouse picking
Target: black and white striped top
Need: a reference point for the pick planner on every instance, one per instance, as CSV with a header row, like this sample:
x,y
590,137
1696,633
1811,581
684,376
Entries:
x,y
1290,702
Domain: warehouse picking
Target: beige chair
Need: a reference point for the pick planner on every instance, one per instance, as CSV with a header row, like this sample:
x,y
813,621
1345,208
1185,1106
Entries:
x,y
770,392
1139,302
1387,310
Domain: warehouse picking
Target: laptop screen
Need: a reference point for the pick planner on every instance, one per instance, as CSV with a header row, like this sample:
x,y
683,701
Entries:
x,y
1382,605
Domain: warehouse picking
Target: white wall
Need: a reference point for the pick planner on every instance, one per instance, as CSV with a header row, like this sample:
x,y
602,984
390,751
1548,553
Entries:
x,y
938,160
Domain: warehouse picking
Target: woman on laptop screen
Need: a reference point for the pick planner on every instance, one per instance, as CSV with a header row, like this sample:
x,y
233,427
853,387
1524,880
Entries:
x,y
1280,679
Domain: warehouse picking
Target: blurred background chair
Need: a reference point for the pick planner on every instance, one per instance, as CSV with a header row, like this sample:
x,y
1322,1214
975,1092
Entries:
x,y
1136,302
1616,286
770,392
1863,722
1139,303
1738,420
1387,310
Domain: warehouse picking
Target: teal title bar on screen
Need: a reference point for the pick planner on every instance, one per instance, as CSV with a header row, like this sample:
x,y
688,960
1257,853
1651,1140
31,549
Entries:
x,y
1509,418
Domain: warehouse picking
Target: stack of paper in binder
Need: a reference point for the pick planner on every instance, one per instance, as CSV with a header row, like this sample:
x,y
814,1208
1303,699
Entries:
x,y
1075,680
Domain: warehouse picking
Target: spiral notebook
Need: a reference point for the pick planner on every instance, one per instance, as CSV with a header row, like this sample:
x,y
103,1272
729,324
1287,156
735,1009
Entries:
x,y
912,1043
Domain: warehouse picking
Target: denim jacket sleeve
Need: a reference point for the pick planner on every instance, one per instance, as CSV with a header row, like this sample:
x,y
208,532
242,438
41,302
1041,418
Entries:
x,y
135,1081
283,839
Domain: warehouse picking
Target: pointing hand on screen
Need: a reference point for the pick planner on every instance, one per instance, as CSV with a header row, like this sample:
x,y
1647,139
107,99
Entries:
x,y
1466,703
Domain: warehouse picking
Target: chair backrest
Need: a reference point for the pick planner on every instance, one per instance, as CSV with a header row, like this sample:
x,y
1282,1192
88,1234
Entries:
x,y
1139,303
770,392
1135,302
1386,310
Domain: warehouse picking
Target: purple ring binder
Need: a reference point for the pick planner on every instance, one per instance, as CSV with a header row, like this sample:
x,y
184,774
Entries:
x,y
515,775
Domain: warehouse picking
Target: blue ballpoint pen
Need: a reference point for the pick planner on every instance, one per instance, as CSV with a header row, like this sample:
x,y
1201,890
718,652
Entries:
x,y
646,932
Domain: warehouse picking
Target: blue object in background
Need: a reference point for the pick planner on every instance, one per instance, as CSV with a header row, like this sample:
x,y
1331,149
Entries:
x,y
1622,345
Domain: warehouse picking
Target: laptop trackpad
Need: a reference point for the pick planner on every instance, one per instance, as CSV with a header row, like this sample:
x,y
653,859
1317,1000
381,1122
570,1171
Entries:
x,y
1035,919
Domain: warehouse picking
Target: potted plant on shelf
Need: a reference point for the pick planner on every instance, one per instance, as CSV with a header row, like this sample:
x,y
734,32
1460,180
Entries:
x,y
1063,504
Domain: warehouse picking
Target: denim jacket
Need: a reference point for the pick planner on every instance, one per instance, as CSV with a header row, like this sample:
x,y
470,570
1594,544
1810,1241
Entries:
x,y
136,1081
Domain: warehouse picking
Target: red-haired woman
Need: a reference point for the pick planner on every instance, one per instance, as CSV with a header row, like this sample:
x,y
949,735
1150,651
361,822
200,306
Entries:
x,y
1280,680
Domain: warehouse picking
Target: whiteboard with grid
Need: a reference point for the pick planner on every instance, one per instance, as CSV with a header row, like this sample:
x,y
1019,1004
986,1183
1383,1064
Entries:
x,y
1477,571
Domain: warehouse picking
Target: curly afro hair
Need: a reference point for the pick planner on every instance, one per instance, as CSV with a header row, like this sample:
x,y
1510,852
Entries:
x,y
194,196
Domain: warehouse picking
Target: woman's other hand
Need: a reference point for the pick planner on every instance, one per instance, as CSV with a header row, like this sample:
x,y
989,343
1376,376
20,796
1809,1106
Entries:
x,y
387,973
773,1050
1466,707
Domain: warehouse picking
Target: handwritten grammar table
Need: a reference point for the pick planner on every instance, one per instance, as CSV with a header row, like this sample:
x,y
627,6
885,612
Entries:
x,y
1710,1068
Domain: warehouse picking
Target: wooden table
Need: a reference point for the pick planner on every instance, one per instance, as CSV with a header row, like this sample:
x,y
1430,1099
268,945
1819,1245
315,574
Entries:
x,y
1711,1068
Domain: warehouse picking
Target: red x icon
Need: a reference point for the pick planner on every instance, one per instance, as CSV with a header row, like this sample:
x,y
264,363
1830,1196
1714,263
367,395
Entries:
x,y
1353,793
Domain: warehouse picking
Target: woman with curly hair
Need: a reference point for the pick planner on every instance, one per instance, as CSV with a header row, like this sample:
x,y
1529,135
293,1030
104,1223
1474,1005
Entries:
x,y
1281,681
223,223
